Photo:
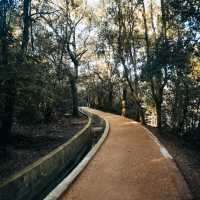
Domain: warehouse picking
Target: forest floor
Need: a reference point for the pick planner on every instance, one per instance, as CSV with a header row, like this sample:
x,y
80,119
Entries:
x,y
33,142
186,156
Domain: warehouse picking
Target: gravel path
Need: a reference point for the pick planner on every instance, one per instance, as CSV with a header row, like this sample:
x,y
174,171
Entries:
x,y
129,166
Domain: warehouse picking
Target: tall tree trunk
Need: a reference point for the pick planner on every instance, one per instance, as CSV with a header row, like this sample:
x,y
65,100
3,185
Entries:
x,y
159,115
10,85
124,101
142,117
26,23
74,98
7,88
184,108
164,23
134,95
146,35
156,86
158,99
180,107
110,97
152,21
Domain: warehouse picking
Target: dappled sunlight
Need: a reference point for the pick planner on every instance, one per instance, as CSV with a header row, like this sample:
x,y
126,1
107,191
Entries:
x,y
157,160
130,123
124,60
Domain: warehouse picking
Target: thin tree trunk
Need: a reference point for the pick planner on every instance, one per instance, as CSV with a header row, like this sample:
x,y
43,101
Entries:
x,y
159,115
164,23
124,101
146,32
110,98
74,94
152,22
26,23
142,117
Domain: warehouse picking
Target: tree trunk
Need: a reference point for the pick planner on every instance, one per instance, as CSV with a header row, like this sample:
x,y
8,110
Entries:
x,y
74,94
142,118
26,23
124,101
10,86
146,32
110,98
159,116
164,23
7,88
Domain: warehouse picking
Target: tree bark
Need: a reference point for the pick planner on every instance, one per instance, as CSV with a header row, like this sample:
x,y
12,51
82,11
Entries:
x,y
26,23
146,32
74,94
124,101
110,97
8,88
159,115
164,23
142,118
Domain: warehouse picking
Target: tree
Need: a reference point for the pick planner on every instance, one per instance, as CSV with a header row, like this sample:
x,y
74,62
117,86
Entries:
x,y
7,84
71,43
156,67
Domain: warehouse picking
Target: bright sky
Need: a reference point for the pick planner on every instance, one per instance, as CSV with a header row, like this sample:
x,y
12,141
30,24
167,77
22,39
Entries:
x,y
93,3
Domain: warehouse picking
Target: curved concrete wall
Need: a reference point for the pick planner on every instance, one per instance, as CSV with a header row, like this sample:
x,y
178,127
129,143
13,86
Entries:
x,y
34,179
97,122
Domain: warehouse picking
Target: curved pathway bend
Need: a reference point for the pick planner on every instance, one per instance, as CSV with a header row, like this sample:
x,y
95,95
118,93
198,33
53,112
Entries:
x,y
131,165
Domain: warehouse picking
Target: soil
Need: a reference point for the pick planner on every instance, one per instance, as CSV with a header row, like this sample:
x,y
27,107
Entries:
x,y
186,156
33,142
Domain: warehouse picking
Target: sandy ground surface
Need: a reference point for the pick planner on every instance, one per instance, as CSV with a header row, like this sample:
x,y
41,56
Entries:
x,y
187,157
129,166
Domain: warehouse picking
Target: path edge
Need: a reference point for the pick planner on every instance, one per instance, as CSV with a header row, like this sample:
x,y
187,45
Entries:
x,y
65,184
183,189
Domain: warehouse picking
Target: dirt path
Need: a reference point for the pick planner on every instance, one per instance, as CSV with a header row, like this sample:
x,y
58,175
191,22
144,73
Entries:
x,y
129,166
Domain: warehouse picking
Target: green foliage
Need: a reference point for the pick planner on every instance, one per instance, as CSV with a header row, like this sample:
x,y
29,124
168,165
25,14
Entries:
x,y
145,54
34,92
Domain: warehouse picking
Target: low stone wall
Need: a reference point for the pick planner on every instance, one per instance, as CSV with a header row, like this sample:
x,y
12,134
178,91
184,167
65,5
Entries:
x,y
37,177
100,127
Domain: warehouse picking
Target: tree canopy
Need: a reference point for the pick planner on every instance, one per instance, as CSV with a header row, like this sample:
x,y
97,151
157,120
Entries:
x,y
136,58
